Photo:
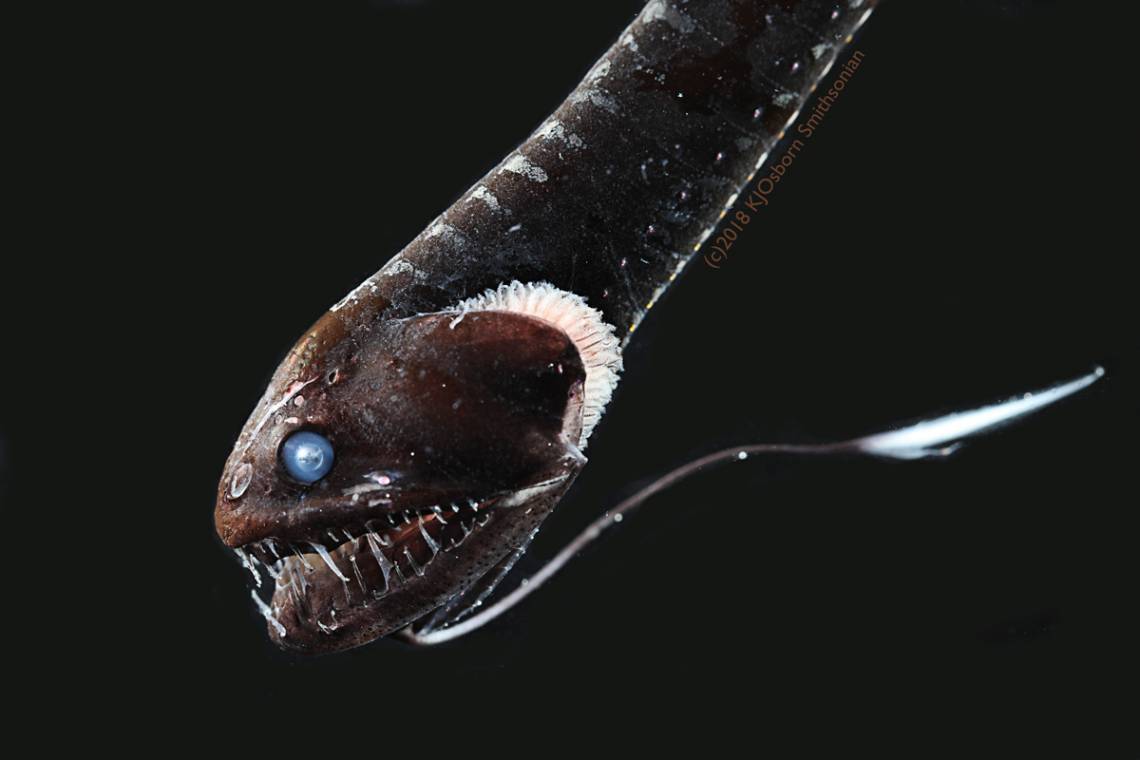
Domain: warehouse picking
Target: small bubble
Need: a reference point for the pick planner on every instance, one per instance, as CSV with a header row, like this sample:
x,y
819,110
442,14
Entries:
x,y
742,455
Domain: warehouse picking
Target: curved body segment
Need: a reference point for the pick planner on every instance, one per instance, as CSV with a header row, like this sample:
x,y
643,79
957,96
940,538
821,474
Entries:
x,y
420,432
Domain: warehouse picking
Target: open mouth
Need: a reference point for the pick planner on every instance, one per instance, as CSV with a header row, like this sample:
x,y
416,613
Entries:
x,y
323,584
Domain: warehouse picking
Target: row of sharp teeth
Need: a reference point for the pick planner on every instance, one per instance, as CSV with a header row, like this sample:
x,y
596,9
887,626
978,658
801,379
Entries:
x,y
377,539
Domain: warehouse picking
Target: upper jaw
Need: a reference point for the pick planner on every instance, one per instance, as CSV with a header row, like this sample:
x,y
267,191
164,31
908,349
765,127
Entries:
x,y
323,520
268,546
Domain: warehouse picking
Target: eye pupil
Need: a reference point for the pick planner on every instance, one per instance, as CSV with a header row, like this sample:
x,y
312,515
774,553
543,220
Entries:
x,y
307,456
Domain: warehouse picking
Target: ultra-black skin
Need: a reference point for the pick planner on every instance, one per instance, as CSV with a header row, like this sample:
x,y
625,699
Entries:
x,y
608,204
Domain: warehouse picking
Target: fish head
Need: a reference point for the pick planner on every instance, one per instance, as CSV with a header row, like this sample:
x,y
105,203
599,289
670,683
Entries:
x,y
434,446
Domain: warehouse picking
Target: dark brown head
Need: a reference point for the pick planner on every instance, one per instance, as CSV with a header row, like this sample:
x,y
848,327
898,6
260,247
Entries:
x,y
449,439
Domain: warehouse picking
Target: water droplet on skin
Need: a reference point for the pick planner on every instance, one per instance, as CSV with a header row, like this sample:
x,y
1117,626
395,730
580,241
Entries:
x,y
719,157
240,481
618,517
623,262
795,66
835,14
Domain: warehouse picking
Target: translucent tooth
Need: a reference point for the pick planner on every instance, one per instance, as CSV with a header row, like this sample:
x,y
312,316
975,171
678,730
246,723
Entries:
x,y
428,539
411,561
324,553
298,587
272,547
349,535
407,517
439,515
356,572
381,560
301,557
267,613
454,508
332,535
245,560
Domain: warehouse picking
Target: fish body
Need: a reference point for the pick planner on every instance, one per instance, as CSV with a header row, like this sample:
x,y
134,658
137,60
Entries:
x,y
445,403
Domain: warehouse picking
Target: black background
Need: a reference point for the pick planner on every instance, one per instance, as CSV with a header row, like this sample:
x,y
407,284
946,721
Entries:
x,y
957,230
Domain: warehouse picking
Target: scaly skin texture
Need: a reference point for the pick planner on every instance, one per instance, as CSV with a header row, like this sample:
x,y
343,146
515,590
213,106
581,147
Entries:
x,y
609,196
607,200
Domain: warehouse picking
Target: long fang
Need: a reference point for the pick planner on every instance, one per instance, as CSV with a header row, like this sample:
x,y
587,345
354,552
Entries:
x,y
411,561
381,560
267,613
328,560
245,560
427,538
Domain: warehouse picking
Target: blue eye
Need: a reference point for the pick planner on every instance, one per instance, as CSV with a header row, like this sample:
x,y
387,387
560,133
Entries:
x,y
307,456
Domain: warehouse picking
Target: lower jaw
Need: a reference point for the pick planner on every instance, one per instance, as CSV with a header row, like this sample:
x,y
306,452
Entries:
x,y
368,585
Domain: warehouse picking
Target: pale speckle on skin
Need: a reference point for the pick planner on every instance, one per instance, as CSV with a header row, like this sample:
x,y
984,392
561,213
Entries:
x,y
595,97
601,68
630,41
397,266
520,164
554,130
660,10
485,195
744,143
442,229
353,296
819,51
784,99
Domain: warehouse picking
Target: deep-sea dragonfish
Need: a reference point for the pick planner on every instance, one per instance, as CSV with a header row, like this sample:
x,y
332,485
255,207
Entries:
x,y
416,437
